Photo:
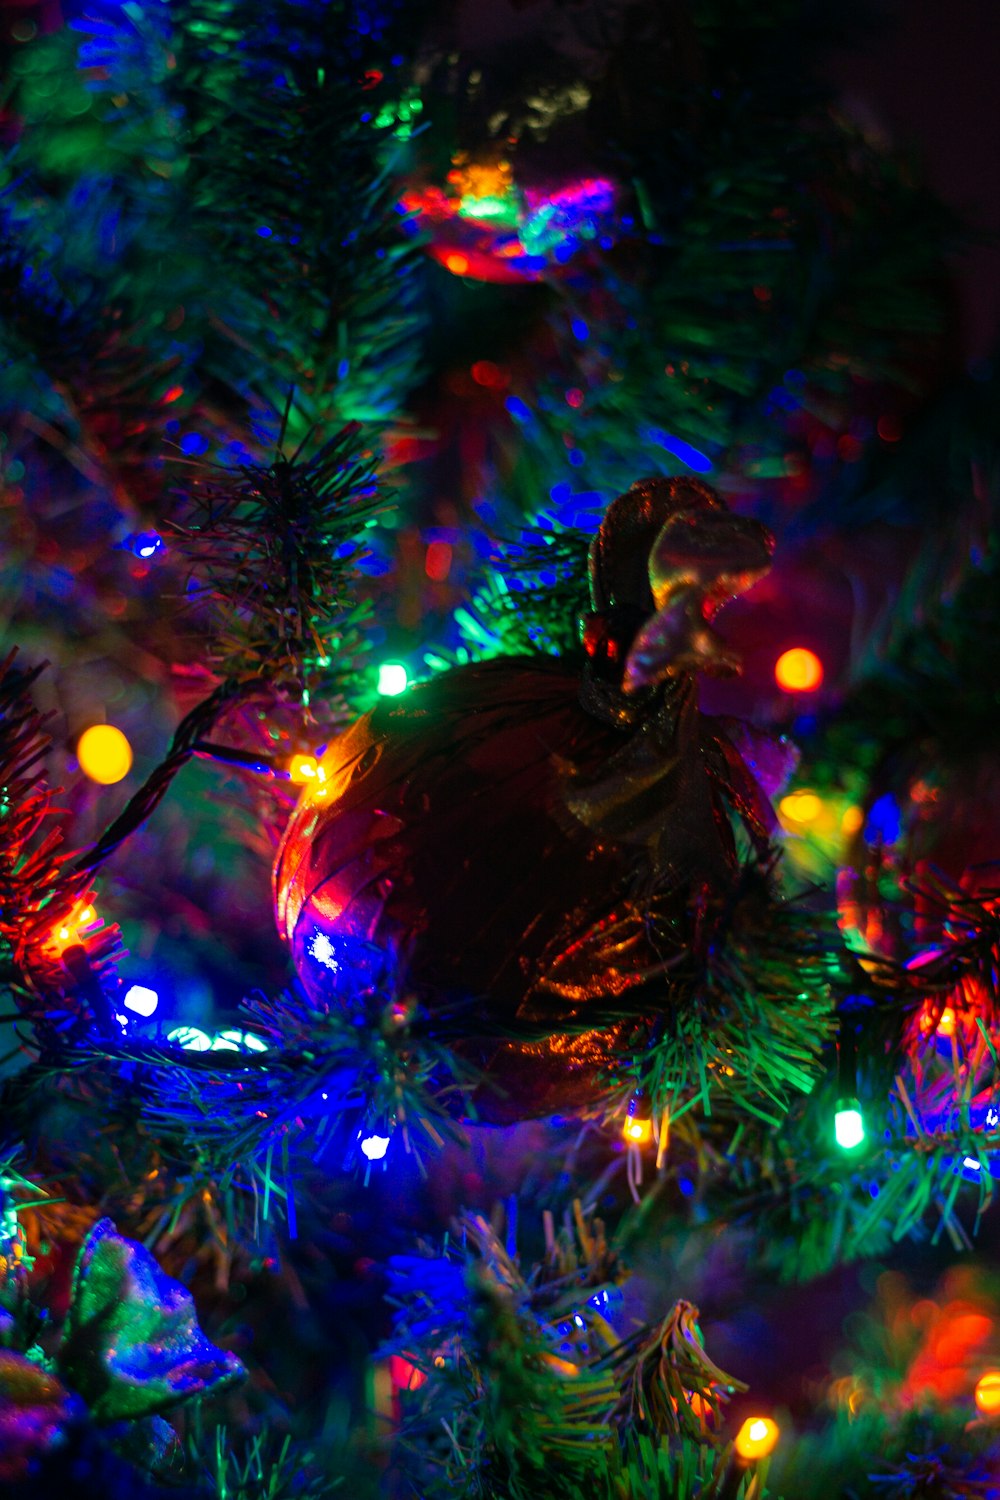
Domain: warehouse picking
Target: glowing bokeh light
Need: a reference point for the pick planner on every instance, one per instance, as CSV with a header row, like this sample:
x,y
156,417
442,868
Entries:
x,y
437,563
234,1040
988,1393
104,753
852,821
375,1147
191,1038
800,808
798,670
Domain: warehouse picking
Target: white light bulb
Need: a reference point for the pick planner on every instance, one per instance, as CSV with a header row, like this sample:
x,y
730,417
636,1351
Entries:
x,y
140,999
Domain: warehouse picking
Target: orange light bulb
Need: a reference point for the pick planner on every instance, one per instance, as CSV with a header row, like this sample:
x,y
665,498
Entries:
x,y
798,670
988,1393
757,1438
946,1025
638,1132
303,769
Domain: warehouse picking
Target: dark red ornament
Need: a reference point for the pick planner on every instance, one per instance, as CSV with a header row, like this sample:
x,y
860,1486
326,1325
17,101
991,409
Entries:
x,y
534,845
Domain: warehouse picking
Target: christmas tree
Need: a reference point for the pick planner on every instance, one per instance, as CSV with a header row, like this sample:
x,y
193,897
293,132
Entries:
x,y
499,909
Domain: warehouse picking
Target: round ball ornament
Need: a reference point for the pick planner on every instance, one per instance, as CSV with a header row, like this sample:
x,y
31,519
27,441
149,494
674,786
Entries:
x,y
534,845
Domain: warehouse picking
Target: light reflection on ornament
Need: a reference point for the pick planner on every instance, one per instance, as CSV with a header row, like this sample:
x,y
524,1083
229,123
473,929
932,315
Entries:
x,y
321,949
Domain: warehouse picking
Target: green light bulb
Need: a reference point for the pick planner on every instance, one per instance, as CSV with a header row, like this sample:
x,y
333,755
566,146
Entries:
x,y
392,679
848,1124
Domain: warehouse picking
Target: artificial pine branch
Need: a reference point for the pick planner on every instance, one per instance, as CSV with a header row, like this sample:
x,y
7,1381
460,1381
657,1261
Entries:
x,y
774,256
748,1031
290,187
239,1128
536,1401
275,549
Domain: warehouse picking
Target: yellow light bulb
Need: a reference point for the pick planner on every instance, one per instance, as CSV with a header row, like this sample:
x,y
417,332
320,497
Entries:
x,y
946,1025
757,1437
798,670
638,1132
87,916
988,1393
104,753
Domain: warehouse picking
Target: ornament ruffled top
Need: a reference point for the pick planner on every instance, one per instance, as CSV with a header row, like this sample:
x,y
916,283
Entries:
x,y
536,846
